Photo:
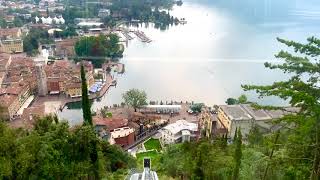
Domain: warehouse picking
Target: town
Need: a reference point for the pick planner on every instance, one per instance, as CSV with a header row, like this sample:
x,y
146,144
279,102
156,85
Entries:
x,y
54,53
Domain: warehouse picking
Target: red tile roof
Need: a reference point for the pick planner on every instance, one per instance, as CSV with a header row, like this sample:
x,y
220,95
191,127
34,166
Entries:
x,y
7,100
110,123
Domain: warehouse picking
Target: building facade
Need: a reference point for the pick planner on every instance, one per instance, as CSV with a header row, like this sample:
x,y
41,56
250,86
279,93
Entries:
x,y
245,117
11,46
180,131
122,136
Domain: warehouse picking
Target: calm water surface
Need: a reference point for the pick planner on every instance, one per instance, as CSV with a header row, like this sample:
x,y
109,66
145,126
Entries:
x,y
223,45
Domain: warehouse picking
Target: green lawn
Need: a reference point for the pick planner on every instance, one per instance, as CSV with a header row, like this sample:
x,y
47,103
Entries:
x,y
153,144
153,155
155,163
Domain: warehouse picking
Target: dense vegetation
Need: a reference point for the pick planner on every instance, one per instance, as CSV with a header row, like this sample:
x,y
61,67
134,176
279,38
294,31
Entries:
x,y
70,13
241,100
299,153
52,150
33,39
68,32
145,11
97,49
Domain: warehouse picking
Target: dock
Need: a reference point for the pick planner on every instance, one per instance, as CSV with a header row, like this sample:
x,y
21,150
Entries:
x,y
142,36
126,35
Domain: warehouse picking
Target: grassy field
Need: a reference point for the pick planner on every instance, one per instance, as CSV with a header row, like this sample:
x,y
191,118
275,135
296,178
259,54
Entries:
x,y
153,155
155,163
153,144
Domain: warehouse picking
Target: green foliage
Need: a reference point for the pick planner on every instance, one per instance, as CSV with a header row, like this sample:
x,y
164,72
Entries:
x,y
299,151
66,33
105,113
3,23
33,39
145,11
255,137
241,100
153,155
53,151
135,98
70,13
153,144
237,153
197,160
197,107
86,106
18,22
96,49
231,101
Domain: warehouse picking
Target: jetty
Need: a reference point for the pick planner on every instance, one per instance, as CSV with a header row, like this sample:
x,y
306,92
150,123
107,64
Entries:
x,y
142,36
126,35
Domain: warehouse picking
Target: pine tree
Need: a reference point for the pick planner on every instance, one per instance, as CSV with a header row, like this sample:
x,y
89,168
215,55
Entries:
x,y
300,90
86,106
237,154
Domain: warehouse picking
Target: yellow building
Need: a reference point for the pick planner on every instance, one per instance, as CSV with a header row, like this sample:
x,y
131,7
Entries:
x,y
206,123
10,105
234,117
74,90
11,46
244,117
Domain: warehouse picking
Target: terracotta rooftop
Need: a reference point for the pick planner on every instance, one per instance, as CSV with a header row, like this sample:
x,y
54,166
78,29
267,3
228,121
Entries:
x,y
7,100
13,32
110,123
33,111
16,89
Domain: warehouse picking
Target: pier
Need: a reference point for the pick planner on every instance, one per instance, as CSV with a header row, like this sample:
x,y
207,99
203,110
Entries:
x,y
126,35
142,36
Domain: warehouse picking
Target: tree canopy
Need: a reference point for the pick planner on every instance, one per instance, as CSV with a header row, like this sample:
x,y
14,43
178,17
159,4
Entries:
x,y
97,49
33,39
241,100
54,151
135,98
300,148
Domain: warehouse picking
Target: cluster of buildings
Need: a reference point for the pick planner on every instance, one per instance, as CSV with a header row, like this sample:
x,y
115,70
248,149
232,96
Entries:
x,y
11,40
125,132
115,130
18,82
49,20
228,118
43,8
21,78
63,77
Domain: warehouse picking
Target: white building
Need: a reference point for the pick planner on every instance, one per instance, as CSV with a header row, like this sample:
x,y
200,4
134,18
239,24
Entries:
x,y
49,20
180,131
89,24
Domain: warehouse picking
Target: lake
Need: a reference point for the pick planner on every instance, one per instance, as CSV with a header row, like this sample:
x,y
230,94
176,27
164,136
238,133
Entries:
x,y
223,45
